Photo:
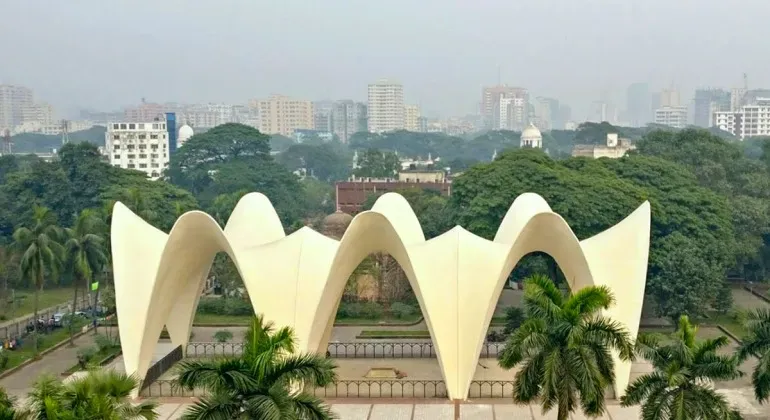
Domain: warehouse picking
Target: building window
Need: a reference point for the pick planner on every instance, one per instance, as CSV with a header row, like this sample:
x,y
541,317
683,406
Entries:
x,y
155,126
154,155
140,126
132,126
154,165
116,136
131,166
122,126
153,136
142,146
116,156
115,126
142,156
116,147
130,146
154,146
143,165
163,126
142,136
131,156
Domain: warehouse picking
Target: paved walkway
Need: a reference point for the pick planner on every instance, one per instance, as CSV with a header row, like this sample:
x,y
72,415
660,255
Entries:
x,y
435,411
19,383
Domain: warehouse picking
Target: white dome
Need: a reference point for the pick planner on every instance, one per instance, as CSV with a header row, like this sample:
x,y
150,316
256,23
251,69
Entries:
x,y
185,132
531,137
531,132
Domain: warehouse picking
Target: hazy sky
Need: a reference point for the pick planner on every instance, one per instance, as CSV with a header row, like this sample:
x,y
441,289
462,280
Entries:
x,y
104,54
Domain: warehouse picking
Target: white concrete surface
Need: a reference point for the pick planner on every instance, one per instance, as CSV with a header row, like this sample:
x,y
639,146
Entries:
x,y
298,280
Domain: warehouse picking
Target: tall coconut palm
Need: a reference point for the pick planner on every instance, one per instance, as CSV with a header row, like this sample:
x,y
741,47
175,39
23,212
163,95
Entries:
x,y
41,253
104,395
261,383
681,385
85,252
8,408
564,348
757,344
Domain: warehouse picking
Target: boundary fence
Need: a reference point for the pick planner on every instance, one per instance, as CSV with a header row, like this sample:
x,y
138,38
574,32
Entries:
x,y
162,366
11,329
395,388
353,350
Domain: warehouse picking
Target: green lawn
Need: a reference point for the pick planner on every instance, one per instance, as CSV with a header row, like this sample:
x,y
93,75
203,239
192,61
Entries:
x,y
727,322
16,357
374,334
100,359
25,301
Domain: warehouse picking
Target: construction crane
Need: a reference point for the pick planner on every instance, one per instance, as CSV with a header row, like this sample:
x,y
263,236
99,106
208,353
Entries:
x,y
7,143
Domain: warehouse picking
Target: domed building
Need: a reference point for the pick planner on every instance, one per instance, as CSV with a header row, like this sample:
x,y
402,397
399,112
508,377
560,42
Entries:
x,y
185,132
335,224
531,137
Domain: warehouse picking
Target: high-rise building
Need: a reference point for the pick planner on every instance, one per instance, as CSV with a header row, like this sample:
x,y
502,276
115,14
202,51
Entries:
x,y
638,104
505,107
748,121
386,106
707,102
672,116
546,113
15,101
142,146
282,115
669,98
348,118
322,116
144,112
412,118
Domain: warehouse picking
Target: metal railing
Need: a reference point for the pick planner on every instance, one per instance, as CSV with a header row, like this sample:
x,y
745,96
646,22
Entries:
x,y
358,350
11,329
162,366
391,388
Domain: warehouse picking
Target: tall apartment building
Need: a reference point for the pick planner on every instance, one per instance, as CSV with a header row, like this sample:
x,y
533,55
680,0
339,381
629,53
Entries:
x,y
15,101
670,98
386,106
707,102
546,113
322,116
348,118
672,116
145,112
141,146
505,107
638,104
748,121
412,118
282,115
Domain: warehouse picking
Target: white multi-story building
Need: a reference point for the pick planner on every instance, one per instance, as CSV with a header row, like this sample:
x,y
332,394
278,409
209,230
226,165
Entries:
x,y
672,116
386,106
748,121
15,104
140,146
412,118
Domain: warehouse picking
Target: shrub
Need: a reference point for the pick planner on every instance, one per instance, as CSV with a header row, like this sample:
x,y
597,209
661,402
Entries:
x,y
221,306
360,310
86,356
495,336
105,344
402,310
223,336
3,361
514,317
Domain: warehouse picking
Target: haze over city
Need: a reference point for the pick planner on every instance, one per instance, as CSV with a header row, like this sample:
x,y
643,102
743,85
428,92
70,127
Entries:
x,y
105,55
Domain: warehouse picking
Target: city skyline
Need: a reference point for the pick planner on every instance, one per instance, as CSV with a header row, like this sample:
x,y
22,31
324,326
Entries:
x,y
442,55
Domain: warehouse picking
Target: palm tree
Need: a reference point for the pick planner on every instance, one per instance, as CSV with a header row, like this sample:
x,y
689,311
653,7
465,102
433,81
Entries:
x,y
262,383
681,384
8,409
104,395
85,253
757,344
564,348
41,253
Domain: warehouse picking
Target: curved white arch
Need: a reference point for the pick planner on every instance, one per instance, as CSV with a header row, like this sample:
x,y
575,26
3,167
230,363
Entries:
x,y
298,280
